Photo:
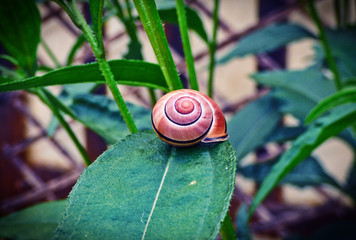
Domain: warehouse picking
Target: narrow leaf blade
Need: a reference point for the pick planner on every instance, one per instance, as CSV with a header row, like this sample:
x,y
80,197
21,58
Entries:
x,y
127,72
251,126
169,15
308,173
265,40
319,132
299,91
342,97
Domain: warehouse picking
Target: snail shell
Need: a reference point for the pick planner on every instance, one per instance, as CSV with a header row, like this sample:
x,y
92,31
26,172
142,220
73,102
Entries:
x,y
186,117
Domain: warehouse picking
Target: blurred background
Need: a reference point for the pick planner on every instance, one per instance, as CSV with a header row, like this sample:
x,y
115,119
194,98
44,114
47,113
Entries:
x,y
36,168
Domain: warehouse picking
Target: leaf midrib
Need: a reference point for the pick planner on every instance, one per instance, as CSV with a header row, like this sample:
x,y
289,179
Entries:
x,y
158,192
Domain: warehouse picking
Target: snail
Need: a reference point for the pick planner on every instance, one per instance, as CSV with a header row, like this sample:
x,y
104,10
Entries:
x,y
186,117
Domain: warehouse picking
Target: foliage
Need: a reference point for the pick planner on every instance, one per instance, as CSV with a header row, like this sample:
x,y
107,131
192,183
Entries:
x,y
141,187
173,182
37,222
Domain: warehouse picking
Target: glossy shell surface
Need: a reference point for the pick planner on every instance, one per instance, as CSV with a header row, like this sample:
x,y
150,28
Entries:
x,y
186,117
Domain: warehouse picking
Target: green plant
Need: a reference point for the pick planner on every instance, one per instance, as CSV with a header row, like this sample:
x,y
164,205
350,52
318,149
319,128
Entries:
x,y
146,168
143,188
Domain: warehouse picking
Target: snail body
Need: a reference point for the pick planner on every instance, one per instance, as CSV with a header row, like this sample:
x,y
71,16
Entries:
x,y
186,117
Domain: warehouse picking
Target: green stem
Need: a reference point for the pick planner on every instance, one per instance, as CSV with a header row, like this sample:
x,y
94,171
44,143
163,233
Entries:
x,y
152,96
105,68
183,27
43,94
66,8
50,53
227,230
213,48
152,24
325,44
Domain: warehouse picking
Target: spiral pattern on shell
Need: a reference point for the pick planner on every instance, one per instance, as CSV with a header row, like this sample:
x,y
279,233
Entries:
x,y
186,117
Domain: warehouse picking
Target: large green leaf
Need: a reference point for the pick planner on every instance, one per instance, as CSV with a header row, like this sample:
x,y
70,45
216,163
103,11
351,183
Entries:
x,y
299,91
301,148
251,126
127,72
37,222
100,114
341,97
142,188
20,25
267,39
307,173
169,15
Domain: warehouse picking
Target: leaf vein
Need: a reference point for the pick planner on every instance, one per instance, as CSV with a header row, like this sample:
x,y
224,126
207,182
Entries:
x,y
158,192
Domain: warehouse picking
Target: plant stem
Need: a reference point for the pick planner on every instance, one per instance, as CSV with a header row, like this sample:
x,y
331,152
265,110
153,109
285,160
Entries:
x,y
152,24
105,68
43,95
227,230
50,53
152,96
213,48
183,27
325,44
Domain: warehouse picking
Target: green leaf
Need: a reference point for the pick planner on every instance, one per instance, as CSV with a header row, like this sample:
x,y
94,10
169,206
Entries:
x,y
20,24
299,91
341,97
127,72
169,15
100,114
66,98
307,173
142,188
96,12
227,230
134,50
349,82
36,222
301,148
251,126
282,134
267,39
